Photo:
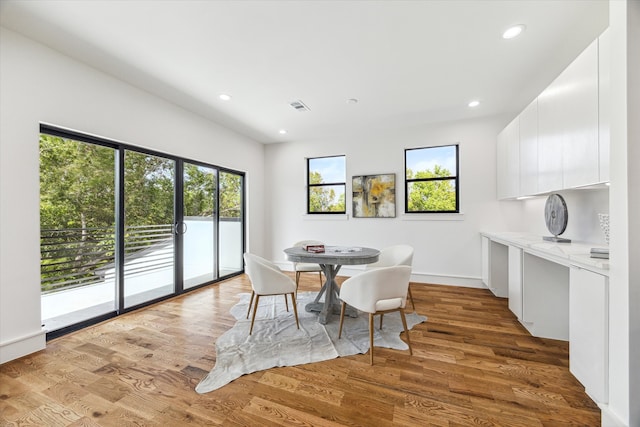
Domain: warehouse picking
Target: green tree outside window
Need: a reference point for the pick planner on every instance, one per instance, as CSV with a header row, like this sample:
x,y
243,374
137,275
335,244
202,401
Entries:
x,y
432,179
326,184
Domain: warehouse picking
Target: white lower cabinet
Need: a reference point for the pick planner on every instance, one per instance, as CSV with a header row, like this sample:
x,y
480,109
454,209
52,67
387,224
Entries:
x,y
589,331
515,281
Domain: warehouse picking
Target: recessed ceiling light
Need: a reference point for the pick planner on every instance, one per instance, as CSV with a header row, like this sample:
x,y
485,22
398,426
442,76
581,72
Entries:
x,y
474,103
224,97
282,131
513,31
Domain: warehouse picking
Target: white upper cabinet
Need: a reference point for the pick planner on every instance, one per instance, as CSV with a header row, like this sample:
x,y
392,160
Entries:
x,y
529,149
604,101
561,140
508,158
550,133
579,115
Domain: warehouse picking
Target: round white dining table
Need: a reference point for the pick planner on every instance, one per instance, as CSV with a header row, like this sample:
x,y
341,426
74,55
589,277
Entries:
x,y
330,261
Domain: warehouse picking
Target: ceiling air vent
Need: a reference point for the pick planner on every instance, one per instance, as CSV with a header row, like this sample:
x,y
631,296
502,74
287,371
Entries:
x,y
299,106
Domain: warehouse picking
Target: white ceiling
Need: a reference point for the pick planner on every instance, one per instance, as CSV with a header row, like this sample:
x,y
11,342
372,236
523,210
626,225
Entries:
x,y
407,62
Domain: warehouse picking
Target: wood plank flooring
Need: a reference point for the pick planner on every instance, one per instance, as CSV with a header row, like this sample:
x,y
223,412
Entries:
x,y
473,364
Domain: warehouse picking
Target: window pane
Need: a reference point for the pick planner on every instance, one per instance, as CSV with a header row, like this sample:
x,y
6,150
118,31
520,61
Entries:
x,y
430,162
77,221
327,170
326,179
149,234
199,198
327,198
231,223
439,195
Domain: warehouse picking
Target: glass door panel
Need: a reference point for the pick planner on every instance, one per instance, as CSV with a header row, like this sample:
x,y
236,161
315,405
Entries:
x,y
149,238
199,204
231,223
77,231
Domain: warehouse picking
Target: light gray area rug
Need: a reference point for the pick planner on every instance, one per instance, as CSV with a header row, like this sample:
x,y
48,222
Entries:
x,y
277,342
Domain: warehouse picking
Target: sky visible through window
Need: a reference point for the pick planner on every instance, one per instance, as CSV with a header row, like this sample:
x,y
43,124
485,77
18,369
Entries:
x,y
426,159
332,169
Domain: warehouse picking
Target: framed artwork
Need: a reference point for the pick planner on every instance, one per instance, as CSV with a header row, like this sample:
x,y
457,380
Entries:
x,y
374,196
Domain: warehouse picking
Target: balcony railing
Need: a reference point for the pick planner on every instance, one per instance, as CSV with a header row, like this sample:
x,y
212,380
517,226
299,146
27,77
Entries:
x,y
79,257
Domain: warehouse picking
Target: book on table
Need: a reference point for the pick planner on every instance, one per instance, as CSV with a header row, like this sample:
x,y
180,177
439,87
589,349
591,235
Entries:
x,y
316,249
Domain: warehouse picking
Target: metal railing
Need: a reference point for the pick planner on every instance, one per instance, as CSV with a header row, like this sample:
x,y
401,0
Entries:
x,y
78,257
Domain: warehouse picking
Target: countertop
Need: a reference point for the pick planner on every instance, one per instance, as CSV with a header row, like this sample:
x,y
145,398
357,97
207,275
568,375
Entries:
x,y
575,253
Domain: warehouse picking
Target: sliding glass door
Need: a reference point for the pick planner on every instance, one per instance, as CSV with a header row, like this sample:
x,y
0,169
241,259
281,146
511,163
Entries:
x,y
199,228
149,238
77,230
231,222
122,227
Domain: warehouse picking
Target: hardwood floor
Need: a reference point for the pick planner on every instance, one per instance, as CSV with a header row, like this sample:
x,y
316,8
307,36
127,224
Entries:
x,y
472,364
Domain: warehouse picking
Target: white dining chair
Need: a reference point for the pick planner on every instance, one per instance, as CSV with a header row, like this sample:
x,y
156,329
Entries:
x,y
267,279
302,267
395,255
378,291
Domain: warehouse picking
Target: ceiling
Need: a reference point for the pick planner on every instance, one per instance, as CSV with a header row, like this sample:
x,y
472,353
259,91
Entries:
x,y
408,63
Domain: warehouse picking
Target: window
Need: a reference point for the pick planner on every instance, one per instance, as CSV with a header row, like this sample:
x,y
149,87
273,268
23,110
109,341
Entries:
x,y
326,185
431,179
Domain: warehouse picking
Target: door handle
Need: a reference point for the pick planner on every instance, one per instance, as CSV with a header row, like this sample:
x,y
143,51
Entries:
x,y
180,227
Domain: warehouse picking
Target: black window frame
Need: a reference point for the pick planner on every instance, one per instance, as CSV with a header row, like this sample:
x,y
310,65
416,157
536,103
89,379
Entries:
x,y
325,184
120,148
455,178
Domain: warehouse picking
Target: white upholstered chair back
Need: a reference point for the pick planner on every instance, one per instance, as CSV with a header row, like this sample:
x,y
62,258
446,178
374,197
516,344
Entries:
x,y
393,255
267,279
377,291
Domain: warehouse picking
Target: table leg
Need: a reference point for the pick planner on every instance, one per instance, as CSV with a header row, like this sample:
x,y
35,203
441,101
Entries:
x,y
330,290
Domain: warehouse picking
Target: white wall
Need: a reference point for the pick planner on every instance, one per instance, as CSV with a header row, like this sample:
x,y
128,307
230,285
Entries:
x,y
446,251
583,206
37,85
624,288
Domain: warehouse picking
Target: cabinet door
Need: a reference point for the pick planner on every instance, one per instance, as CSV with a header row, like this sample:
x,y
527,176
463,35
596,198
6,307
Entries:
x,y
529,149
604,100
580,157
515,281
550,134
588,331
508,159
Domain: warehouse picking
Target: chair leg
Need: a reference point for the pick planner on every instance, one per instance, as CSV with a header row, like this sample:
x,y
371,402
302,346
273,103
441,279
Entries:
x,y
371,338
344,304
297,278
295,308
411,298
320,277
406,330
381,317
250,302
286,303
255,309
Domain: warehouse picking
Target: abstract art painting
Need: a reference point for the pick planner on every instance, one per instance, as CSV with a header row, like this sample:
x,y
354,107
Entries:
x,y
374,196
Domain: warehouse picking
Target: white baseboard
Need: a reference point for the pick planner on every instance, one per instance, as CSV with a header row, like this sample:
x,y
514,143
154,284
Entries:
x,y
609,419
440,279
22,346
416,277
